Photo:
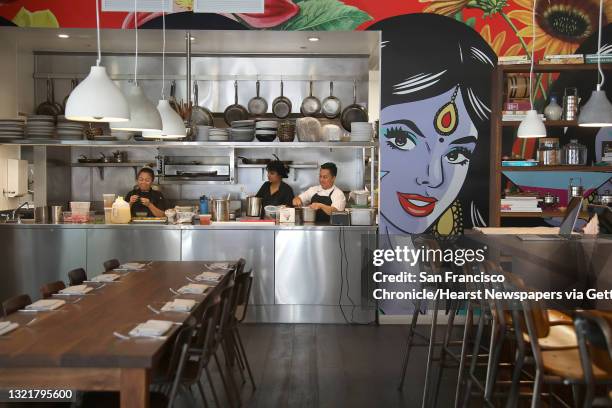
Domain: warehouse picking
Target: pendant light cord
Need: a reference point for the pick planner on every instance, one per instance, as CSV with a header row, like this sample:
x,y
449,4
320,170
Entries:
x,y
98,32
163,92
136,54
533,37
601,74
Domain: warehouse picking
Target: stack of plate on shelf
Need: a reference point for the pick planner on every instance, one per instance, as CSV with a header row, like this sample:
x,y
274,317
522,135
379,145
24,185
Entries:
x,y
265,130
242,131
218,135
361,131
40,126
68,129
11,128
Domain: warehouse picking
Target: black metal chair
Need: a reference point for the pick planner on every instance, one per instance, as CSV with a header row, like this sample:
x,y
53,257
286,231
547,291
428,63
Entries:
x,y
50,289
11,305
77,276
243,284
111,264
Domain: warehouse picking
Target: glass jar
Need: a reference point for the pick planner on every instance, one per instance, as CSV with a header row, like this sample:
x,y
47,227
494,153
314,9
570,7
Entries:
x,y
574,153
548,151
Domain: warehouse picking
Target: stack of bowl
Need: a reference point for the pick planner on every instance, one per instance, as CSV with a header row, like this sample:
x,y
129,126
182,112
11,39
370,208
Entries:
x,y
265,130
286,131
68,129
202,133
218,135
361,131
242,131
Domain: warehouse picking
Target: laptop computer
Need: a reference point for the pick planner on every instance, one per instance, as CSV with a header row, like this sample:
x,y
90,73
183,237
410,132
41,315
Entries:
x,y
566,228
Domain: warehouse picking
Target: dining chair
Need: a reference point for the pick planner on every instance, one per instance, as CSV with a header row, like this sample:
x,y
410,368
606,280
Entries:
x,y
594,331
243,283
223,338
49,289
77,276
175,366
15,303
111,264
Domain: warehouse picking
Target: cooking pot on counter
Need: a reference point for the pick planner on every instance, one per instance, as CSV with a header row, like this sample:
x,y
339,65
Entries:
x,y
220,209
253,206
308,215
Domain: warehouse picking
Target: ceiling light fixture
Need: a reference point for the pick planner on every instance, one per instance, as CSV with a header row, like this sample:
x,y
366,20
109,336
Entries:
x,y
143,114
63,36
173,126
532,126
597,112
97,98
313,39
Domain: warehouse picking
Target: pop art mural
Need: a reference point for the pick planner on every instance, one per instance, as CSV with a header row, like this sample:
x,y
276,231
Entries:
x,y
436,61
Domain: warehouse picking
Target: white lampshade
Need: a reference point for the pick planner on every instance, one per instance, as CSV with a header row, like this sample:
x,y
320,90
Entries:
x,y
143,114
531,126
172,124
597,112
97,99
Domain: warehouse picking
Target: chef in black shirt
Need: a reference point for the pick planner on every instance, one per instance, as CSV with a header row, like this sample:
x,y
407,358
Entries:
x,y
143,200
275,191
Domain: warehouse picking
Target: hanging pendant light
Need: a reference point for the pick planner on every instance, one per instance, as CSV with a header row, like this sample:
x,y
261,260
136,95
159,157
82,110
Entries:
x,y
173,126
532,126
97,98
597,112
143,114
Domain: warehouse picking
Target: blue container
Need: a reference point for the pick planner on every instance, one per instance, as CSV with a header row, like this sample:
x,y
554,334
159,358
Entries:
x,y
203,205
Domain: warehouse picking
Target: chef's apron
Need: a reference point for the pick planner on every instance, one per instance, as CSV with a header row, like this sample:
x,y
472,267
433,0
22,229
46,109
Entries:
x,y
320,215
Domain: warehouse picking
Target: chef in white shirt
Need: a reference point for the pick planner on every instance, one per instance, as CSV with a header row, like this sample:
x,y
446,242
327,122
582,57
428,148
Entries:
x,y
326,197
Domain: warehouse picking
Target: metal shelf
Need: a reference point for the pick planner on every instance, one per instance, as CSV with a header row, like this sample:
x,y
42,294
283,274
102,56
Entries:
x,y
101,166
253,145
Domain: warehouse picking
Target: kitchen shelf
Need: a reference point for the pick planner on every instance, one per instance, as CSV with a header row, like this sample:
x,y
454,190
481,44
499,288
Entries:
x,y
178,144
603,169
299,166
547,123
101,166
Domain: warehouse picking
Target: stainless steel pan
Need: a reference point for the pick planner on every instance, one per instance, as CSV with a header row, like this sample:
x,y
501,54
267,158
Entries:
x,y
354,112
49,107
281,107
331,106
311,105
257,104
200,116
236,111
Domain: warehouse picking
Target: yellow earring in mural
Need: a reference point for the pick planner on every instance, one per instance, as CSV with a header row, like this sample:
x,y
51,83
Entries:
x,y
446,118
450,223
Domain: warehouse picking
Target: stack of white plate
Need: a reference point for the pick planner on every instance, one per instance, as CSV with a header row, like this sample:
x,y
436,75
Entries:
x,y
218,135
40,126
202,133
242,131
361,131
265,130
11,128
68,129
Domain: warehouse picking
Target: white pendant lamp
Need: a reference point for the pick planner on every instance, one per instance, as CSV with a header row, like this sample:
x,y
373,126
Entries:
x,y
532,126
597,112
97,98
143,115
173,126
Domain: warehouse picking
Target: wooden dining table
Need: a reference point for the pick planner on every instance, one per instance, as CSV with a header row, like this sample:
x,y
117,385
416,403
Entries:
x,y
75,348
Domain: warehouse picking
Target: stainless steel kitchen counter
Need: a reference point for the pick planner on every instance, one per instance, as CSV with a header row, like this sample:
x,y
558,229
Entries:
x,y
299,271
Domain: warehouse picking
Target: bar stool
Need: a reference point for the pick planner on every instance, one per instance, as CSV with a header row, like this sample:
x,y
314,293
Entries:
x,y
111,264
15,303
50,289
77,276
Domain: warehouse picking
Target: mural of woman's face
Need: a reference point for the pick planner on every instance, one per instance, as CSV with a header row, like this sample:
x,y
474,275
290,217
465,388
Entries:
x,y
422,170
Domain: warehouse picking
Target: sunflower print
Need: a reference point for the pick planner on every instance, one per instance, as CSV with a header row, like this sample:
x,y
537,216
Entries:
x,y
561,25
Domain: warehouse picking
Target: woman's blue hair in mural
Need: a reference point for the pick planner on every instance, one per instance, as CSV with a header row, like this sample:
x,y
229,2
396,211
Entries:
x,y
428,55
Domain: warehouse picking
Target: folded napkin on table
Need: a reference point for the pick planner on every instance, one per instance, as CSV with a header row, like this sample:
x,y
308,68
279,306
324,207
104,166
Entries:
x,y
76,290
218,265
179,305
105,277
46,304
131,266
151,328
193,288
7,327
209,276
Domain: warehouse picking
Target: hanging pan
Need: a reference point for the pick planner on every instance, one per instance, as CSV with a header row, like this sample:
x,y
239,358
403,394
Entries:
x,y
281,107
257,104
311,105
236,111
200,116
331,105
48,107
354,112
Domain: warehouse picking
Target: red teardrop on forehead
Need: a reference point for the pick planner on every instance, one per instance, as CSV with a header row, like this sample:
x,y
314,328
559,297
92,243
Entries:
x,y
446,119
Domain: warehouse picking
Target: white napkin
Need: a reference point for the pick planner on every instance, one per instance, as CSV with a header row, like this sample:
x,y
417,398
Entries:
x,y
193,288
151,328
131,266
105,277
46,304
218,265
76,290
209,276
179,305
7,327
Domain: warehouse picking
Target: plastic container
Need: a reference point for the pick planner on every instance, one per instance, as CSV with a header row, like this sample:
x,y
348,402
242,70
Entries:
x,y
362,216
109,199
80,207
121,213
205,219
108,215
